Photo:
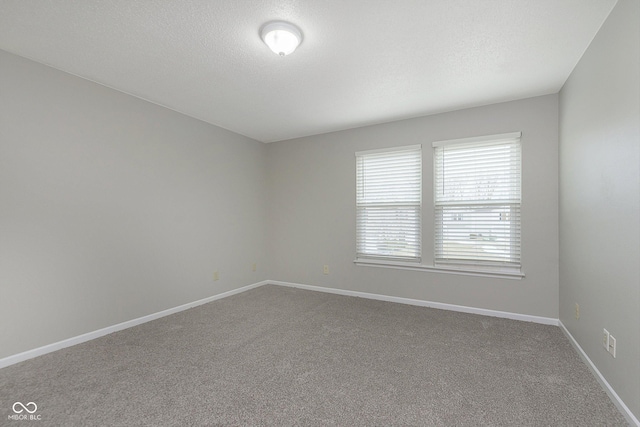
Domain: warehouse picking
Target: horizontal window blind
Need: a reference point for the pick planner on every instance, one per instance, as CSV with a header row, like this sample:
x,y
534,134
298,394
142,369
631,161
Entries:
x,y
477,191
389,203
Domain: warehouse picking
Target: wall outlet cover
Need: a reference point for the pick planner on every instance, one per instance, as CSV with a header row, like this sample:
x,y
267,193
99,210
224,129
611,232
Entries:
x,y
612,345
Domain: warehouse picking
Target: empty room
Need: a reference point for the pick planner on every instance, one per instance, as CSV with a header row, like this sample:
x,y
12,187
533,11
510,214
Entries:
x,y
346,213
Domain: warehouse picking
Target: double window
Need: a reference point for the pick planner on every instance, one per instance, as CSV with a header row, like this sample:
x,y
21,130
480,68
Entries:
x,y
477,196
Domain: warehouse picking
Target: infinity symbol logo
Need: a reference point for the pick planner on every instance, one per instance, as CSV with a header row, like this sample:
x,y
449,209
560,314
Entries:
x,y
24,407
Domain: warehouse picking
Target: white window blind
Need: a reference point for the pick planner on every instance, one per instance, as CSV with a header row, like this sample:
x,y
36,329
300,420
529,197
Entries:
x,y
477,191
389,203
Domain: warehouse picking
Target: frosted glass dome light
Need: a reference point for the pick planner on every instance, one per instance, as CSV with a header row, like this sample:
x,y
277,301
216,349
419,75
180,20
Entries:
x,y
281,37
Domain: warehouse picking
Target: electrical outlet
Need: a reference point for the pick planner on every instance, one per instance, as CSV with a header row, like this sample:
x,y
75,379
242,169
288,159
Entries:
x,y
216,275
253,267
325,270
605,339
612,345
577,311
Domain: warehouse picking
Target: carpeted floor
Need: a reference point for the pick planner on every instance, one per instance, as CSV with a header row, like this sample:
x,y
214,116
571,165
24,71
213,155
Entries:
x,y
279,356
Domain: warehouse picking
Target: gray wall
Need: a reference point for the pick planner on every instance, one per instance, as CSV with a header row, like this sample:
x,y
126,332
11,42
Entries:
x,y
312,209
600,200
113,208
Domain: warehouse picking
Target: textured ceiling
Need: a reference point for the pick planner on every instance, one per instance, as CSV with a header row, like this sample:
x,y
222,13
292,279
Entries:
x,y
361,61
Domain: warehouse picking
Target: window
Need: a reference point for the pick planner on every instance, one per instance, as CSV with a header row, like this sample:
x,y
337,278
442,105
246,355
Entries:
x,y
477,201
389,204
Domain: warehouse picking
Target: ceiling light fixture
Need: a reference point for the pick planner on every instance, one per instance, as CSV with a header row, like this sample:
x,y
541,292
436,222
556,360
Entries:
x,y
281,37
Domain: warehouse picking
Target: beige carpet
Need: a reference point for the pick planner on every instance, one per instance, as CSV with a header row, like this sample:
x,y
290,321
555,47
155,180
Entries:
x,y
278,356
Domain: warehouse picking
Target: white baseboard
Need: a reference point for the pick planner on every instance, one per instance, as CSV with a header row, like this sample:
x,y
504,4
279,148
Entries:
x,y
626,412
30,354
16,358
423,303
605,384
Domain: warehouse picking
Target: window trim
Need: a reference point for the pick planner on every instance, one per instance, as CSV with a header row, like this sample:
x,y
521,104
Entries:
x,y
501,137
466,271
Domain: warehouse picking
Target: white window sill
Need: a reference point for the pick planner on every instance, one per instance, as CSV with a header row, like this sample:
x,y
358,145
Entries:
x,y
464,271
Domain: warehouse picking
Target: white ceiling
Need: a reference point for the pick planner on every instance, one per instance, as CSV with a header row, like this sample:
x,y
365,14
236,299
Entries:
x,y
361,61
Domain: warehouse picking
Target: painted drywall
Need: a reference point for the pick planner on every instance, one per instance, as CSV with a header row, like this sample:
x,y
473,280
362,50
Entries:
x,y
312,209
600,200
113,208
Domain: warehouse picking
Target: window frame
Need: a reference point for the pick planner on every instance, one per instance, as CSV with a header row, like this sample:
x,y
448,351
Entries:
x,y
429,266
363,256
513,265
